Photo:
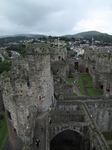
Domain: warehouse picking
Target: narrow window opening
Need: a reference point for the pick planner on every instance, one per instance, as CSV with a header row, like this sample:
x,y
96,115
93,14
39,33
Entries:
x,y
14,130
28,84
9,115
101,86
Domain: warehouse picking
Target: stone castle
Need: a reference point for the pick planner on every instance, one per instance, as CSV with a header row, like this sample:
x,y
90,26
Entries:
x,y
98,64
28,90
39,80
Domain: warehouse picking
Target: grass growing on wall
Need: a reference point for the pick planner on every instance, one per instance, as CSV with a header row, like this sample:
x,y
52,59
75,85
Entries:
x,y
88,85
3,131
91,90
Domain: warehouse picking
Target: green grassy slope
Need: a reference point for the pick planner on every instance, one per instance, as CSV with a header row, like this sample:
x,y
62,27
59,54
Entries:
x,y
3,132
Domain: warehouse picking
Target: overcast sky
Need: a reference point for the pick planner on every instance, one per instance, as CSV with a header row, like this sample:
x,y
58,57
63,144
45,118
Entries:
x,y
55,17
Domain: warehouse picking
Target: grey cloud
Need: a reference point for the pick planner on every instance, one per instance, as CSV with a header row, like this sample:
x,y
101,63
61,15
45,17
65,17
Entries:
x,y
46,16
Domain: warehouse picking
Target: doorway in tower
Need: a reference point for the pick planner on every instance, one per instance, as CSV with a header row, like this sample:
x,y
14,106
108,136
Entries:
x,y
69,140
87,70
100,85
76,67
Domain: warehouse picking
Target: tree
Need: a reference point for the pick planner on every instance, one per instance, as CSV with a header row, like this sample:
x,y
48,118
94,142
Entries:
x,y
20,48
9,53
5,66
0,59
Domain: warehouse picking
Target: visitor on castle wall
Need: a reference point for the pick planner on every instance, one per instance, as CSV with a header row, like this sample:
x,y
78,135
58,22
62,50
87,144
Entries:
x,y
50,108
42,127
37,142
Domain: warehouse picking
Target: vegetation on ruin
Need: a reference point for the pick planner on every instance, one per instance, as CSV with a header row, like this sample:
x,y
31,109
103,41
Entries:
x,y
107,135
3,131
94,92
74,94
110,146
80,85
5,65
20,48
71,78
85,81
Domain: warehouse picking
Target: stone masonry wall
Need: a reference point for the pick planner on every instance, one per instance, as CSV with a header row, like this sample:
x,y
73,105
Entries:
x,y
58,55
27,90
100,68
101,113
41,80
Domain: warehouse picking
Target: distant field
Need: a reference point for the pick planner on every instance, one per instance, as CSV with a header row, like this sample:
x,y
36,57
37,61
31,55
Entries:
x,y
3,132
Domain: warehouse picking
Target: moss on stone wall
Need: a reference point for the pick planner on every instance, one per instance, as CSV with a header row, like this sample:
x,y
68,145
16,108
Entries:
x,y
3,131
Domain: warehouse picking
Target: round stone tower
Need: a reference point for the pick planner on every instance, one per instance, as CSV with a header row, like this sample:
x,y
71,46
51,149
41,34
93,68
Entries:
x,y
27,89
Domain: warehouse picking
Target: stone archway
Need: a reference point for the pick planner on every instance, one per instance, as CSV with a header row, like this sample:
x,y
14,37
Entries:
x,y
69,140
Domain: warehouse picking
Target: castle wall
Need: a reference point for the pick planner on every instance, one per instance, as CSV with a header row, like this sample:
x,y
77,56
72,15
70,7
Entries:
x,y
99,59
101,114
64,71
18,103
55,66
58,55
41,80
103,119
99,65
63,90
16,142
28,89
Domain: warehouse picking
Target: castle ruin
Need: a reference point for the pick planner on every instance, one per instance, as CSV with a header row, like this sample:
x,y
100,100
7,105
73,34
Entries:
x,y
39,80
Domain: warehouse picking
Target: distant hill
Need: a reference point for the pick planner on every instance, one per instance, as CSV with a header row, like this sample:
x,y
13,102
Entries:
x,y
33,35
95,34
16,38
6,40
84,35
23,35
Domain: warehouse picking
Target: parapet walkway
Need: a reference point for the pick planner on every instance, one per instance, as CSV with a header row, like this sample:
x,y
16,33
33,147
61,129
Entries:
x,y
41,135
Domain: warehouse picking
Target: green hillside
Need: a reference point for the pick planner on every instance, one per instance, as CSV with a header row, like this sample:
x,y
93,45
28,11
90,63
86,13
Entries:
x,y
95,34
